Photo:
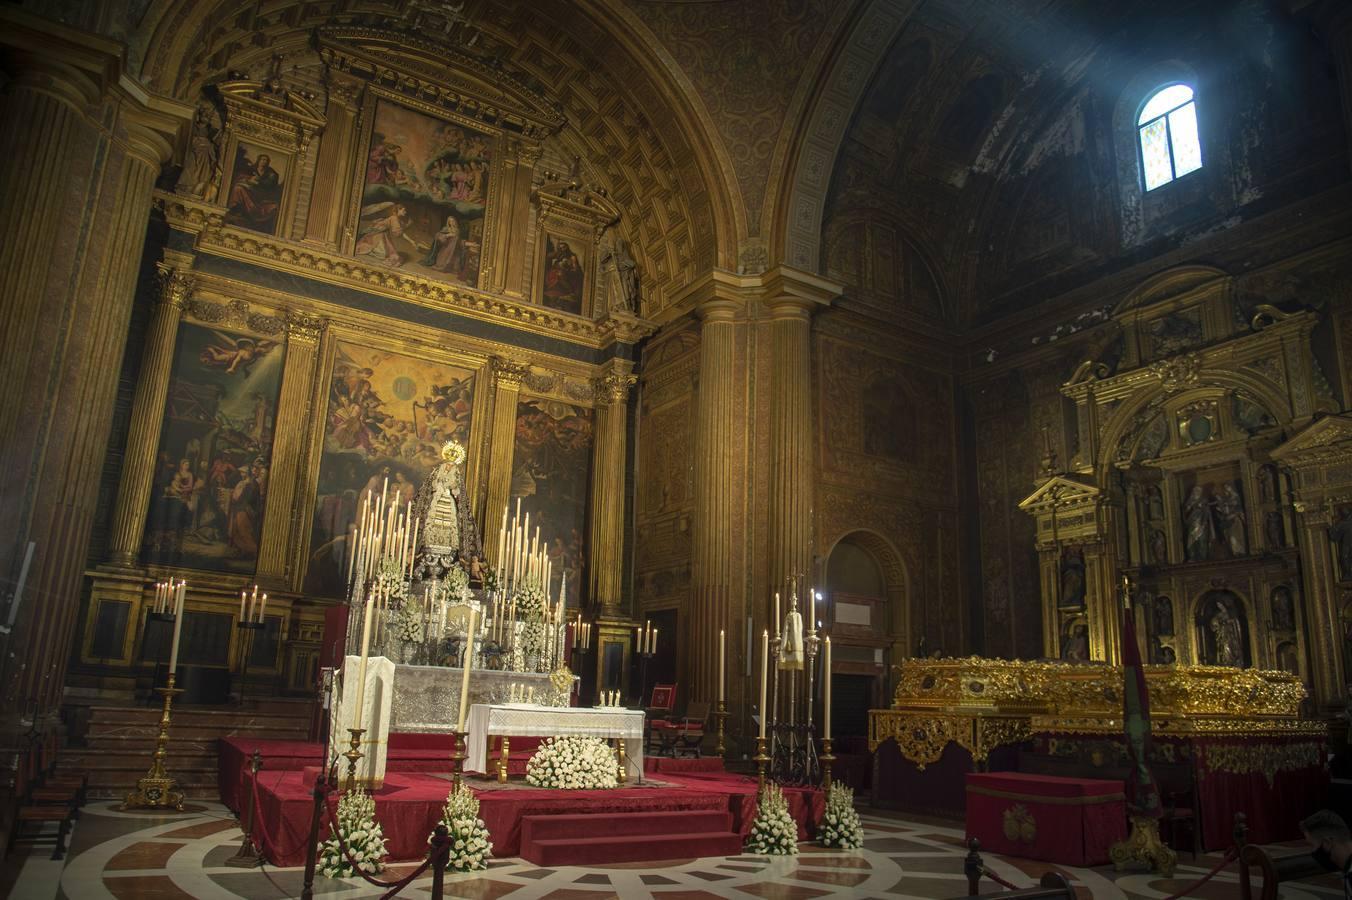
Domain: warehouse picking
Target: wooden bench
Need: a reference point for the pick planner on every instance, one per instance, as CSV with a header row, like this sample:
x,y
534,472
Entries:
x,y
1273,869
34,811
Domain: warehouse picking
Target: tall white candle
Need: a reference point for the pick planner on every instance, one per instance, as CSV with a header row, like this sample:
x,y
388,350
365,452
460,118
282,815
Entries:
x,y
263,609
826,698
765,666
178,630
242,596
464,677
722,658
776,622
361,666
812,610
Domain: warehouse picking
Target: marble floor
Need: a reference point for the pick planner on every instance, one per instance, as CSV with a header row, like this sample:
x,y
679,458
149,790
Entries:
x,y
135,857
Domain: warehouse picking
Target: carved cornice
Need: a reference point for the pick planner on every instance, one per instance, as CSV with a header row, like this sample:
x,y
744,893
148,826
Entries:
x,y
305,328
265,110
236,314
188,215
625,328
509,373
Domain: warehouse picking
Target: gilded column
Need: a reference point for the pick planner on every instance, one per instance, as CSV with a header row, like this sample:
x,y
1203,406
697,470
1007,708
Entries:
x,y
82,149
506,270
291,438
716,494
147,415
607,499
333,166
791,437
1321,606
507,377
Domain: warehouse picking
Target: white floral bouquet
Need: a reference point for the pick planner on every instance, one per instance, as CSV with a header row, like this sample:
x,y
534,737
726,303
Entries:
x,y
773,833
573,762
456,585
530,600
470,847
407,623
840,825
390,578
360,831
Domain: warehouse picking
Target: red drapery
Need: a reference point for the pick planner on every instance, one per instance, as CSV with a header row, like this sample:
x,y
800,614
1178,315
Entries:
x,y
1072,821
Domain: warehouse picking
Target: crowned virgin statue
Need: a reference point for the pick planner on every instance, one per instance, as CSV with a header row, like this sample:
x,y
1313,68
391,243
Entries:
x,y
448,536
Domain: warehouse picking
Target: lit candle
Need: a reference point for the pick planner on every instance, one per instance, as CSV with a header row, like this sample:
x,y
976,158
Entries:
x,y
826,698
652,647
178,630
765,659
263,609
242,596
812,608
776,622
722,654
361,667
464,676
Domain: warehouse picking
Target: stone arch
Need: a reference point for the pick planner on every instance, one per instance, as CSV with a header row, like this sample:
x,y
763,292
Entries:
x,y
895,578
795,208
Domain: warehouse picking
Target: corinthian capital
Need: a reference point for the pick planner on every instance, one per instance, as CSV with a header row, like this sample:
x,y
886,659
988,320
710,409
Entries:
x,y
612,389
509,372
176,285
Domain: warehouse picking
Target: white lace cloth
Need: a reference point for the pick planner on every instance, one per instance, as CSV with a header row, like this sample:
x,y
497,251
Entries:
x,y
520,720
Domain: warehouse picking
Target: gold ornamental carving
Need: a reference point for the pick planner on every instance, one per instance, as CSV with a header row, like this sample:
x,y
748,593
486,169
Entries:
x,y
236,314
509,373
1265,759
613,387
176,286
1179,372
305,328
921,738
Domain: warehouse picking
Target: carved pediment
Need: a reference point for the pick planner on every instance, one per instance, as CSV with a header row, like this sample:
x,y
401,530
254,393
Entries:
x,y
1060,492
1323,440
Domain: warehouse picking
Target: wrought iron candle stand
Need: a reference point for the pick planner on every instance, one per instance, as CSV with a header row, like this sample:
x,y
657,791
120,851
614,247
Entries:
x,y
157,790
246,639
793,745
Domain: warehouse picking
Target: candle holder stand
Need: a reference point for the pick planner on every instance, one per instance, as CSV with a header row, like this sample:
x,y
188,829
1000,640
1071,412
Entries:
x,y
157,790
353,754
761,760
826,759
248,857
246,639
457,758
721,716
643,659
161,661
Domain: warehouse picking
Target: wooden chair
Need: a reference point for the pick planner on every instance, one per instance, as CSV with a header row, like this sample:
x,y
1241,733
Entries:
x,y
689,731
658,720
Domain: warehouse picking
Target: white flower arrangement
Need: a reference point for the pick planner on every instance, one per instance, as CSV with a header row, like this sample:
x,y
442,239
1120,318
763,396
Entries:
x,y
390,577
840,825
530,600
774,832
407,623
573,762
470,847
456,585
362,834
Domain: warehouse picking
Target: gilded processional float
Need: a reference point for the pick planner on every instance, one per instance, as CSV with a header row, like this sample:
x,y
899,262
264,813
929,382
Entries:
x,y
434,629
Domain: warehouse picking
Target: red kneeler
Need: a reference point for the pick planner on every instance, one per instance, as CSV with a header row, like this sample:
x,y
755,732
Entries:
x,y
1072,821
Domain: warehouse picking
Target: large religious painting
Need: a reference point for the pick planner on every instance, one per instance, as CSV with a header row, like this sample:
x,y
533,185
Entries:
x,y
256,184
551,465
424,196
388,416
563,279
211,469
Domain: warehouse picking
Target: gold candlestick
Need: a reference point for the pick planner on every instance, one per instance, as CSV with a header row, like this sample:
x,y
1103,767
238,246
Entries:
x,y
721,715
457,759
761,761
157,790
826,759
353,754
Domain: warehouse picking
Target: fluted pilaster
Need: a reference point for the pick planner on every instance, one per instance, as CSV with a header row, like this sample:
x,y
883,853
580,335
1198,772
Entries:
x,y
147,417
291,437
716,494
790,440
333,165
607,499
507,377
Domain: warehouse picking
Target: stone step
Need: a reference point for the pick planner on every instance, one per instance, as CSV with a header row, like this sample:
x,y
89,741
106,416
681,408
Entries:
x,y
177,731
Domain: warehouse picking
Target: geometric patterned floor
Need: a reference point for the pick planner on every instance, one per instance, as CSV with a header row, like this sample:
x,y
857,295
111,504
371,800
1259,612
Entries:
x,y
129,856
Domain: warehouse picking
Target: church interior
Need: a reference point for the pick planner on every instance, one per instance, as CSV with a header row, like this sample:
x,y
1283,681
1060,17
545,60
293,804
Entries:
x,y
677,448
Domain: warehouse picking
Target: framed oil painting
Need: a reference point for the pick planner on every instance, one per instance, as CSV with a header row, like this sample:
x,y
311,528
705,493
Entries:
x,y
563,277
258,182
424,194
211,473
388,416
551,469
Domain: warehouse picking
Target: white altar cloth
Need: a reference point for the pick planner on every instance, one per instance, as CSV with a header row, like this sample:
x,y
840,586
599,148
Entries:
x,y
522,720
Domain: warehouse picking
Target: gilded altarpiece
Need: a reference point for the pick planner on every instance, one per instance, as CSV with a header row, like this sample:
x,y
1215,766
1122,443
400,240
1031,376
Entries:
x,y
1174,483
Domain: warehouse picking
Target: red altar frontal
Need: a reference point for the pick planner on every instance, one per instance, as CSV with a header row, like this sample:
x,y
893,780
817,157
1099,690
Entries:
x,y
1072,821
1224,740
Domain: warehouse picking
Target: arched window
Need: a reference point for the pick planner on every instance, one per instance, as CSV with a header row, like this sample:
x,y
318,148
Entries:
x,y
1167,132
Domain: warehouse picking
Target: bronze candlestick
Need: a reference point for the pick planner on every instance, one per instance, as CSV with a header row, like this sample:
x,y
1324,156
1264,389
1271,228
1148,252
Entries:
x,y
457,758
353,754
826,759
761,760
721,716
157,790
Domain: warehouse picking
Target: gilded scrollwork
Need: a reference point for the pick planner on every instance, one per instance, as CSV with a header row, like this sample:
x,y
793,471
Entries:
x,y
236,314
1264,758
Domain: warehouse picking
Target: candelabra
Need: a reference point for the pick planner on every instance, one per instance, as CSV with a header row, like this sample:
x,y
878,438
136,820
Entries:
x,y
826,760
247,630
457,758
761,760
162,619
721,716
644,657
157,790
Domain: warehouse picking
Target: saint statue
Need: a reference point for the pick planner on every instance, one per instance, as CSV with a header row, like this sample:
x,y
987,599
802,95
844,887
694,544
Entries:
x,y
1201,526
791,647
619,274
201,163
1230,512
1226,629
447,533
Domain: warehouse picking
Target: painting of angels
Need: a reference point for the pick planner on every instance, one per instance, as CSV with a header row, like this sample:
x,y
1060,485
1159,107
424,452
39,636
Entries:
x,y
211,478
424,195
257,180
388,415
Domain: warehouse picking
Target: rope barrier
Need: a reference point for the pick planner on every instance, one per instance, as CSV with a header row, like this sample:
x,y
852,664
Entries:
x,y
260,830
1230,856
998,880
395,886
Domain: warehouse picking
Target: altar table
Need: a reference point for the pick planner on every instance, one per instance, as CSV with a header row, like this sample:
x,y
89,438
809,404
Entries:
x,y
510,720
1072,821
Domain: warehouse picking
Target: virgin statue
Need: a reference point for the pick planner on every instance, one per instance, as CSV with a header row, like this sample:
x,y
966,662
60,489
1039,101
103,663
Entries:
x,y
1225,627
447,532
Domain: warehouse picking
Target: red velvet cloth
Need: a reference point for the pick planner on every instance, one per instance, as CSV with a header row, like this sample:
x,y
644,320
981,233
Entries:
x,y
1273,807
659,764
409,806
1072,821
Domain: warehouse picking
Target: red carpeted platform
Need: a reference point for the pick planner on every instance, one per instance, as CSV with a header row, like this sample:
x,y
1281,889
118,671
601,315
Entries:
x,y
409,806
584,840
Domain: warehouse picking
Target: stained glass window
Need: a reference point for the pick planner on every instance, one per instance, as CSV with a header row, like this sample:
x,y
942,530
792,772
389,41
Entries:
x,y
1167,129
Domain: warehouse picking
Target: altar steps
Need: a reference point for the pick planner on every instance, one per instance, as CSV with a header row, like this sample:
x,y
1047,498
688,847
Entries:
x,y
118,743
627,837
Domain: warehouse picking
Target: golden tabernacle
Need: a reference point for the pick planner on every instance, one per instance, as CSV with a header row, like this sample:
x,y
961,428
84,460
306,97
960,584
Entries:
x,y
981,704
